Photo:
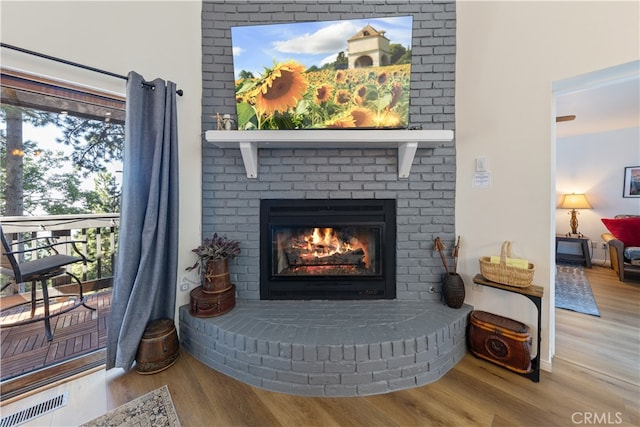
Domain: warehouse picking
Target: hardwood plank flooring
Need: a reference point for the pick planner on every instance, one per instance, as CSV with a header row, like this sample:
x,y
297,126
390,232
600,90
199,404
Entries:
x,y
473,393
610,343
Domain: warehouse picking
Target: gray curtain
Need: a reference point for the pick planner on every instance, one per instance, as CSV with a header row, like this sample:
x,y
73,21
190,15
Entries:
x,y
144,287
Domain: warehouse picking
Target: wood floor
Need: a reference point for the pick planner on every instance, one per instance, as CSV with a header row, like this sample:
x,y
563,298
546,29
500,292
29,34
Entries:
x,y
611,343
473,393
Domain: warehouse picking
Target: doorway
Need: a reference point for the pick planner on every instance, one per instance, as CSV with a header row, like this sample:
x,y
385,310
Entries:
x,y
590,153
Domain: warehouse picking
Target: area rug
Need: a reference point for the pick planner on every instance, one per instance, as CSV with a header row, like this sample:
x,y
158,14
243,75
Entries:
x,y
573,290
154,409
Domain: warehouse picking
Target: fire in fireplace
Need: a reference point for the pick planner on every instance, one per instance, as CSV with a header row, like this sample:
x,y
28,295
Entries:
x,y
327,249
343,251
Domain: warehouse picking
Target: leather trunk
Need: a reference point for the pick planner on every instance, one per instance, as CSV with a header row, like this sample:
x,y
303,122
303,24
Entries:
x,y
159,347
503,341
206,304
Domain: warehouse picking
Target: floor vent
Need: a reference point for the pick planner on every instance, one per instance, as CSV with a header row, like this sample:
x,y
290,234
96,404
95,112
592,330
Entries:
x,y
34,411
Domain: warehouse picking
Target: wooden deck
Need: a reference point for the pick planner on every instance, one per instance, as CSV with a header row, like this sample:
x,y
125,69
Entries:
x,y
77,333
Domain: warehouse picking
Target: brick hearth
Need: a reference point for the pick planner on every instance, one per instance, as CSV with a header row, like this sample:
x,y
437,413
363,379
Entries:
x,y
330,348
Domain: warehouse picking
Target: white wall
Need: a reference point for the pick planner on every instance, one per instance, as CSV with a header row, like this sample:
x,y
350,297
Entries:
x,y
156,39
594,164
508,56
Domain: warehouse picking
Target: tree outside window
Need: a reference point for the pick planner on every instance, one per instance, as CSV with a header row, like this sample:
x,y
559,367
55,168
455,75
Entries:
x,y
61,148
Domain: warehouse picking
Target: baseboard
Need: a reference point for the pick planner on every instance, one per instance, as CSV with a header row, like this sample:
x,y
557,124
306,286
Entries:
x,y
545,365
601,262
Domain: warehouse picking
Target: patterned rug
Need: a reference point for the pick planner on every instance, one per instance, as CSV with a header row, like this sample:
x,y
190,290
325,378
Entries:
x,y
154,409
573,290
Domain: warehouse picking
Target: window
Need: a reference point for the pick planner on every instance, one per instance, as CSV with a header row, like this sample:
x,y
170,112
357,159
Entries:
x,y
62,147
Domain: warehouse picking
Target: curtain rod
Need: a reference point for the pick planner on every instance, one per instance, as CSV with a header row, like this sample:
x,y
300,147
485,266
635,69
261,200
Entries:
x,y
75,64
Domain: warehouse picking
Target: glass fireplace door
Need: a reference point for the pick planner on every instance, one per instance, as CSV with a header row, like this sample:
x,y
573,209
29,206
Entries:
x,y
326,251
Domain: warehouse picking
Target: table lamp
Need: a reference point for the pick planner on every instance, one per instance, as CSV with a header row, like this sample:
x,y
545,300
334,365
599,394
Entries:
x,y
574,201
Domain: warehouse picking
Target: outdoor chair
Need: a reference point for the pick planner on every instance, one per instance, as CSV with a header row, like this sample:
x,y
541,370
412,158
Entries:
x,y
46,264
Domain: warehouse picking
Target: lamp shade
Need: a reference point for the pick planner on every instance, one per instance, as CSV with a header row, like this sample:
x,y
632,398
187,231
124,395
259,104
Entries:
x,y
574,201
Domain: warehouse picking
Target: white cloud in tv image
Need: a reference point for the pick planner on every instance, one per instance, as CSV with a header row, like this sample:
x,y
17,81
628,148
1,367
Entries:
x,y
331,74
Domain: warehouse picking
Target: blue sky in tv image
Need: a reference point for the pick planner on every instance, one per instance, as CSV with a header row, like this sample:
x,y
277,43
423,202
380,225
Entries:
x,y
310,43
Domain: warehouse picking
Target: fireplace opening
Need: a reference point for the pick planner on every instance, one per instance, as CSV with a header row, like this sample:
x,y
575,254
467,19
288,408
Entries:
x,y
327,249
342,251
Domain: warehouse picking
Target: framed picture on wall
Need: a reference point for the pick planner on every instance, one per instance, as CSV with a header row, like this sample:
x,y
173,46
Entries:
x,y
631,182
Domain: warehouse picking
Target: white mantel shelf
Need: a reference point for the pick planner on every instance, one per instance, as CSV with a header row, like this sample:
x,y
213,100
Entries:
x,y
406,141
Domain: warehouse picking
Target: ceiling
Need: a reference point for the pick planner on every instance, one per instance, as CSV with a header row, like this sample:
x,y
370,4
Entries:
x,y
611,106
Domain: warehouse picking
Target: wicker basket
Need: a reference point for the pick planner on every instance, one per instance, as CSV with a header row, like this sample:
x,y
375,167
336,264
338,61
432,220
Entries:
x,y
504,274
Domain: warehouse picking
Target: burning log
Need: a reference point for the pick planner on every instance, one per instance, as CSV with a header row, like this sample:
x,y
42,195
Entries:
x,y
297,257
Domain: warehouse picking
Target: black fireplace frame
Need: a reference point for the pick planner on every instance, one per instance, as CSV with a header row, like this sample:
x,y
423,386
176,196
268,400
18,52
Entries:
x,y
331,213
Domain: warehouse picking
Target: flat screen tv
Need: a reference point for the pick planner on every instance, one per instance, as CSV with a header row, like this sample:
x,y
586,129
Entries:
x,y
318,75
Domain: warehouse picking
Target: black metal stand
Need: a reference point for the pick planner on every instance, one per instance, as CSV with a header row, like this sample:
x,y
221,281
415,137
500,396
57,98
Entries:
x,y
534,293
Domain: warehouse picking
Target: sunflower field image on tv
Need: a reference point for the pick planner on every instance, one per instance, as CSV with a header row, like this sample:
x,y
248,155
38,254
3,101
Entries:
x,y
323,75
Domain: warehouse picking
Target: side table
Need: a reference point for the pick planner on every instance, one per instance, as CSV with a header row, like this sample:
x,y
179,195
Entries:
x,y
584,248
534,293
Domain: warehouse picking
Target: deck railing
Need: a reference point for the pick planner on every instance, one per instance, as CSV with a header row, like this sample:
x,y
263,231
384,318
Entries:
x,y
99,231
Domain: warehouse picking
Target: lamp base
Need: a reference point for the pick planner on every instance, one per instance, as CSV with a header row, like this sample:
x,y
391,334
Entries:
x,y
574,235
573,222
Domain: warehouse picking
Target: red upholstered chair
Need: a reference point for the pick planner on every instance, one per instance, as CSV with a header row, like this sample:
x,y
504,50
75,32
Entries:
x,y
43,270
623,256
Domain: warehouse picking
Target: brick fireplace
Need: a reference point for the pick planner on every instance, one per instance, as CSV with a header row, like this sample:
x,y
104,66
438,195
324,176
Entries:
x,y
336,347
424,204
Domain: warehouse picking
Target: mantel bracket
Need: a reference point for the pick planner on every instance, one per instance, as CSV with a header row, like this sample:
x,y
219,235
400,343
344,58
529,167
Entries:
x,y
406,154
249,151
